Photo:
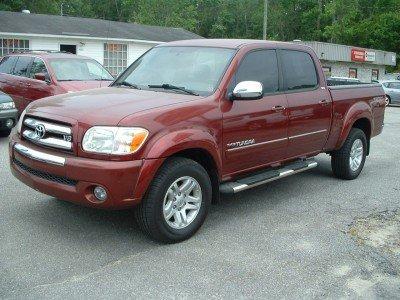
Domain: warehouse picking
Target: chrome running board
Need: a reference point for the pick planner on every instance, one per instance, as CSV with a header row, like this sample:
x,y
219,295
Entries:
x,y
260,178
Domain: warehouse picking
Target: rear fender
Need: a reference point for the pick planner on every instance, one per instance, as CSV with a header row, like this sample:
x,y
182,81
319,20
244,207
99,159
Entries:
x,y
358,111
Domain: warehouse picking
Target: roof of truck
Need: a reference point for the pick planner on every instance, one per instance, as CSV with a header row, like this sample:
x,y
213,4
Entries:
x,y
232,43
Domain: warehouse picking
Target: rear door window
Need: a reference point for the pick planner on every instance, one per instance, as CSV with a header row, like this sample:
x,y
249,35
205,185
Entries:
x,y
261,66
22,66
298,70
38,66
395,85
7,64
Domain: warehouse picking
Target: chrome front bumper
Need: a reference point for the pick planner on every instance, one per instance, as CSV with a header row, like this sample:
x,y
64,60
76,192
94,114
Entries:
x,y
39,156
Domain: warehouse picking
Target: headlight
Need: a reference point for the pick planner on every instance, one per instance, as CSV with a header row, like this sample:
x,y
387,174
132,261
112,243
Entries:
x,y
7,105
114,140
21,119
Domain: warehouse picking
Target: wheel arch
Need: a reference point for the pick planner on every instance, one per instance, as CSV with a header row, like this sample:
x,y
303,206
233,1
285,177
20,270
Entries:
x,y
195,144
358,116
204,158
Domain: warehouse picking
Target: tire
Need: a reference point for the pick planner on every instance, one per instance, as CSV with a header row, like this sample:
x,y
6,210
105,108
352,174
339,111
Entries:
x,y
342,159
388,100
5,133
151,213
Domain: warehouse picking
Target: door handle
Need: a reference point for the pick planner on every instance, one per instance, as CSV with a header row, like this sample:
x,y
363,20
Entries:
x,y
28,84
278,108
324,102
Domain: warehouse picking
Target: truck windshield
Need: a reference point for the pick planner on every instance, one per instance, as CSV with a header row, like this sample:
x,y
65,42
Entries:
x,y
77,69
195,70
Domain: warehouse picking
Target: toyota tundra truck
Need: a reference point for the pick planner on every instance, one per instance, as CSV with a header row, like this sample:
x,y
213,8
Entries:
x,y
190,120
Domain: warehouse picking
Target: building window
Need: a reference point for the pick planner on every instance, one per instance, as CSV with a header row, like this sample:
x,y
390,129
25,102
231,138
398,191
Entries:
x,y
353,73
375,74
327,71
115,58
12,45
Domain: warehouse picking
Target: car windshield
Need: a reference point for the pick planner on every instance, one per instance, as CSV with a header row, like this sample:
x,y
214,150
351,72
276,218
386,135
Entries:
x,y
77,69
195,70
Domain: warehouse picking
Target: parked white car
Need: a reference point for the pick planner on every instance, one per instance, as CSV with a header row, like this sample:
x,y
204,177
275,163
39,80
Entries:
x,y
392,91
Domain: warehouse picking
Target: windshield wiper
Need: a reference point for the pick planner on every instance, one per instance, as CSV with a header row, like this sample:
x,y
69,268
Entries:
x,y
127,84
167,86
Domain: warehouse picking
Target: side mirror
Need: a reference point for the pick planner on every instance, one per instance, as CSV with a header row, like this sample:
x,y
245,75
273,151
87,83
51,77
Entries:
x,y
248,90
42,77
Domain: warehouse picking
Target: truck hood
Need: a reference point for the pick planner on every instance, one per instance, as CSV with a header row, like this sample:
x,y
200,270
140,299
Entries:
x,y
105,106
75,86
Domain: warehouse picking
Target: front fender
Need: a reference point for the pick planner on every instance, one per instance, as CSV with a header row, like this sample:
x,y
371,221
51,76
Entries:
x,y
358,111
164,145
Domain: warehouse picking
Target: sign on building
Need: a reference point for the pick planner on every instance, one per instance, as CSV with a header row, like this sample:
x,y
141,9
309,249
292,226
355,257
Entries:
x,y
362,55
369,56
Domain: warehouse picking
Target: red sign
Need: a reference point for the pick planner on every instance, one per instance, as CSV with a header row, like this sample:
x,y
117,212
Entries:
x,y
357,55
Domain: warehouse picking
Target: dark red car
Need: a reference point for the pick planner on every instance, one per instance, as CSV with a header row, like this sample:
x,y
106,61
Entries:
x,y
34,75
189,120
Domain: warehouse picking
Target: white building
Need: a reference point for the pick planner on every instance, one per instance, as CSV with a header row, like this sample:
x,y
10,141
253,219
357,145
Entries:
x,y
114,44
355,62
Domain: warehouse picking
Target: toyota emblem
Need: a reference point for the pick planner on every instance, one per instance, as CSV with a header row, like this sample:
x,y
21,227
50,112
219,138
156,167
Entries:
x,y
40,131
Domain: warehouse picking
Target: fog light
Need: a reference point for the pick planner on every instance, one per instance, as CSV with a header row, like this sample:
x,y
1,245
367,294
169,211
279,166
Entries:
x,y
10,123
100,193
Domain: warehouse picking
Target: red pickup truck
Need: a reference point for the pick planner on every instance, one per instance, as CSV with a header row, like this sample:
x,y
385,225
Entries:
x,y
189,120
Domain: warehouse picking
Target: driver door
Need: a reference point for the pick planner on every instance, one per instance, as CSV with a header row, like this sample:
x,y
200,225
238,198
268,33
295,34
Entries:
x,y
255,131
39,88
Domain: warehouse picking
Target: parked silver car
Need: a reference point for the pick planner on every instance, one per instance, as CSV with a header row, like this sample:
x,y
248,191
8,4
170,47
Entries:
x,y
8,114
392,91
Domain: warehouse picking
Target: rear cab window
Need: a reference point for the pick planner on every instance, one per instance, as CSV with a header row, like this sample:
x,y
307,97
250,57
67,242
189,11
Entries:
x,y
394,85
259,65
22,66
7,64
299,71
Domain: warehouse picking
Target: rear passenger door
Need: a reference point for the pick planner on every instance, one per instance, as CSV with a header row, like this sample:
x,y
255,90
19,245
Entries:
x,y
20,82
255,131
309,104
6,67
38,88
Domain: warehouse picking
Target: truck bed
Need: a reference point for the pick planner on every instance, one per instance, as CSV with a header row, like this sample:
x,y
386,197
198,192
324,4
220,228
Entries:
x,y
363,97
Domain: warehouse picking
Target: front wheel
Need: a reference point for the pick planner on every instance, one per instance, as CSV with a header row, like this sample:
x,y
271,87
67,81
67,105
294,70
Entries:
x,y
348,161
177,201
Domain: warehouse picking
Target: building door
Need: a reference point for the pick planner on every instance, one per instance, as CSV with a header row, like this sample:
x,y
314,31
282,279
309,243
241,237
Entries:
x,y
68,48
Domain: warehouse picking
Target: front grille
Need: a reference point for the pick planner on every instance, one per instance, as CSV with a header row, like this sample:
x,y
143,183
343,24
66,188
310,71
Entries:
x,y
47,133
45,175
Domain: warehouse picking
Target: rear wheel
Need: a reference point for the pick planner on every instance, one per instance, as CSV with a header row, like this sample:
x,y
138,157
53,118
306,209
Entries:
x,y
348,161
388,101
5,133
177,201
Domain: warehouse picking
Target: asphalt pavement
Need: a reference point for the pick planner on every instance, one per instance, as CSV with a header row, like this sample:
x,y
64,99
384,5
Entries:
x,y
306,236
